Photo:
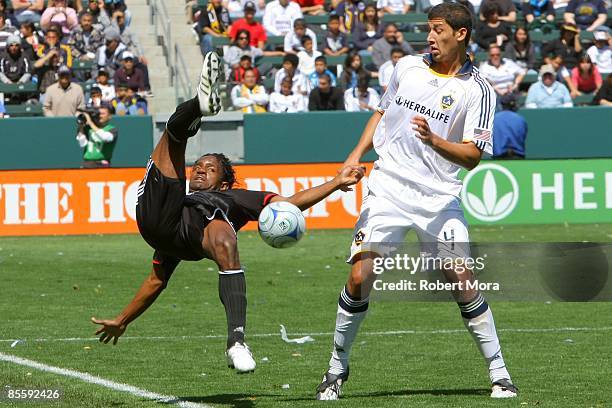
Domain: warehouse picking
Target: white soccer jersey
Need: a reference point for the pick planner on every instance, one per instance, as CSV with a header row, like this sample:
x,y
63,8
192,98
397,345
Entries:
x,y
458,108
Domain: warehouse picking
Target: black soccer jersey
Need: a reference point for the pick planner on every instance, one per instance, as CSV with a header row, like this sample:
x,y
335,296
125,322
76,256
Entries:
x,y
236,206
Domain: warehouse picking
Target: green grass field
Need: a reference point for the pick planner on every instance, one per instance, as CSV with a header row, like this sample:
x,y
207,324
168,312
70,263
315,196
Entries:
x,y
50,287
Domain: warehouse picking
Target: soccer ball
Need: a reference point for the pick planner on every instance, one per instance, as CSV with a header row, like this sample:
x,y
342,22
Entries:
x,y
281,224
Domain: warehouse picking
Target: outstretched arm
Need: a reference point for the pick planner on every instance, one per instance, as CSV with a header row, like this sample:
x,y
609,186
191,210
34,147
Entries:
x,y
150,289
305,199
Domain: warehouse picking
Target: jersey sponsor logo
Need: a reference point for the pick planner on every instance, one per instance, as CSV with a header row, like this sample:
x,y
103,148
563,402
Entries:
x,y
433,82
447,102
421,109
490,192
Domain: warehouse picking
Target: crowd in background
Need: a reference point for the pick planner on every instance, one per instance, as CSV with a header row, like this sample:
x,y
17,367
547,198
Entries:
x,y
74,54
566,67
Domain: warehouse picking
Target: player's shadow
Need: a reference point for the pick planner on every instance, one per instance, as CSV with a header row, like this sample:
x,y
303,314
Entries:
x,y
234,400
399,393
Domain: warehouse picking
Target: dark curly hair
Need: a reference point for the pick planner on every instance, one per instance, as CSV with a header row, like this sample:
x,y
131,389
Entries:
x,y
229,174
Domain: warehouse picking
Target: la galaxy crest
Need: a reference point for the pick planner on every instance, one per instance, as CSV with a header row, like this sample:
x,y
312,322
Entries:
x,y
447,101
359,237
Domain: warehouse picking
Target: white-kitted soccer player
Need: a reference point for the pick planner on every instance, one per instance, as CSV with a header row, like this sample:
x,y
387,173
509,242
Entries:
x,y
435,117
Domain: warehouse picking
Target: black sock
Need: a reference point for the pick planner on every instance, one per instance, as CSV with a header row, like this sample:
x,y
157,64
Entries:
x,y
185,121
232,292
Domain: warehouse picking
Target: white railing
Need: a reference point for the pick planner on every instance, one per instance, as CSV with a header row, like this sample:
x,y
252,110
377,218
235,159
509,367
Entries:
x,y
182,84
160,20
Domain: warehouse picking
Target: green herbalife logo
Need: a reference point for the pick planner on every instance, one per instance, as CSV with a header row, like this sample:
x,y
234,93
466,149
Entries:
x,y
490,192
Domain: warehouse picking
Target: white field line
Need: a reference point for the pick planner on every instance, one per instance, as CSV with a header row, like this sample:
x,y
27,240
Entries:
x,y
375,333
92,379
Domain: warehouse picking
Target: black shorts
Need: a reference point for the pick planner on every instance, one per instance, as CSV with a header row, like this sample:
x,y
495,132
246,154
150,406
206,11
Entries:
x,y
164,221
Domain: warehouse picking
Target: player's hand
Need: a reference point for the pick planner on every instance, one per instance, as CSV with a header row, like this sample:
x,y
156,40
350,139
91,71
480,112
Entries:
x,y
110,330
348,176
352,160
423,132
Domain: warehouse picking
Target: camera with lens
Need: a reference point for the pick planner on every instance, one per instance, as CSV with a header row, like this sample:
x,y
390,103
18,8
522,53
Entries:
x,y
93,113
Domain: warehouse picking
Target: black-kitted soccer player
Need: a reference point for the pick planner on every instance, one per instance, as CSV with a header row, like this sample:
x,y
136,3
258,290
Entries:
x,y
202,223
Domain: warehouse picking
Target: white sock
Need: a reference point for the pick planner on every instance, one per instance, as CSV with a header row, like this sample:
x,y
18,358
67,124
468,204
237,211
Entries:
x,y
478,319
351,313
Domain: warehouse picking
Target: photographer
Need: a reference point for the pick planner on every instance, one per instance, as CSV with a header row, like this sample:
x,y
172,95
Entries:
x,y
97,136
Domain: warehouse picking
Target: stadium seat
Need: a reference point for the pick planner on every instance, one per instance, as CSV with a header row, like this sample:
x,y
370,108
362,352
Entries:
x,y
24,110
18,88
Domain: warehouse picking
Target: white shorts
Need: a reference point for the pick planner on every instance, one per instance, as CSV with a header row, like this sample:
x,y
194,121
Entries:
x,y
441,234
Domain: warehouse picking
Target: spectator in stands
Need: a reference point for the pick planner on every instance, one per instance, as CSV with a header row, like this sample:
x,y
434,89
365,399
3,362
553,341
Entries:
x,y
52,55
257,33
110,7
335,42
290,69
97,138
386,69
567,46
394,6
503,74
108,91
109,55
95,98
307,56
362,98
548,92
214,22
350,12
15,68
85,39
604,95
129,74
563,75
63,98
326,97
312,7
31,39
131,42
492,30
279,16
59,13
93,8
6,31
320,69
539,14
353,71
240,48
293,39
586,14
509,130
521,50
248,96
237,74
124,104
10,17
506,11
141,105
586,76
368,31
392,38
286,101
601,52
236,8
53,38
28,10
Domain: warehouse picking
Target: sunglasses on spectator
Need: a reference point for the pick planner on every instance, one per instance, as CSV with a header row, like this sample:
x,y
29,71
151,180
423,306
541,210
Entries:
x,y
495,55
243,38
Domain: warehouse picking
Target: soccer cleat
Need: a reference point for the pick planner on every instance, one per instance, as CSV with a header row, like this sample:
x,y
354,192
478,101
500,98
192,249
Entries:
x,y
208,87
239,357
330,388
503,389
